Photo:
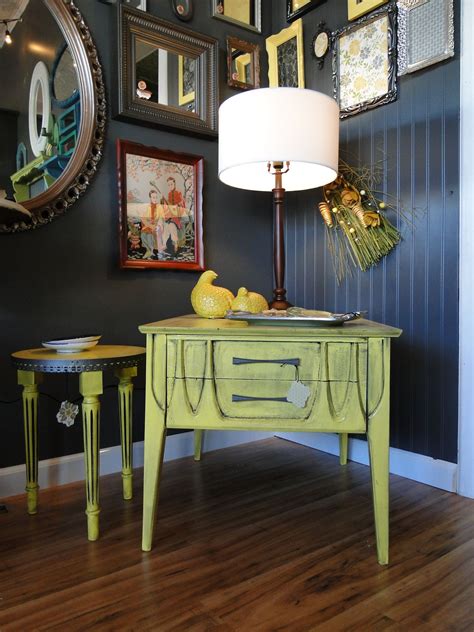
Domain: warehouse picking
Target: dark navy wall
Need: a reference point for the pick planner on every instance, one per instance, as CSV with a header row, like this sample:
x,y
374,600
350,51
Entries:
x,y
416,286
65,276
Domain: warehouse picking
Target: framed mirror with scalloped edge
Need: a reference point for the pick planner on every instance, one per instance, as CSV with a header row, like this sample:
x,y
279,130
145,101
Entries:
x,y
52,115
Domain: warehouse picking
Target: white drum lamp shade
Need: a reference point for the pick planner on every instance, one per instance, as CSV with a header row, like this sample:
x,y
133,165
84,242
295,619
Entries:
x,y
278,125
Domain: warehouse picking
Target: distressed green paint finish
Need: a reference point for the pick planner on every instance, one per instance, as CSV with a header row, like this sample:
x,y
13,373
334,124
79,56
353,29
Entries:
x,y
198,444
155,431
30,381
125,397
221,374
90,387
343,447
378,435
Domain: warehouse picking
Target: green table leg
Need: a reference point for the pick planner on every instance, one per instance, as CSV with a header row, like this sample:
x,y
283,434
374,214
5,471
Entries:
x,y
155,433
198,444
378,439
343,447
125,395
90,387
30,380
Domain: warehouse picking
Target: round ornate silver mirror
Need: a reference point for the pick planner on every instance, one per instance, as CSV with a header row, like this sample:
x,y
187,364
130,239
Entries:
x,y
53,112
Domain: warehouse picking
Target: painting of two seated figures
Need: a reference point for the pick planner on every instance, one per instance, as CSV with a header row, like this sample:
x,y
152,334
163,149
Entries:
x,y
160,210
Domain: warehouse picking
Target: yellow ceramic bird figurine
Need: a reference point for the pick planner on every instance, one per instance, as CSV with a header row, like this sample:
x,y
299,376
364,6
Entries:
x,y
246,301
208,300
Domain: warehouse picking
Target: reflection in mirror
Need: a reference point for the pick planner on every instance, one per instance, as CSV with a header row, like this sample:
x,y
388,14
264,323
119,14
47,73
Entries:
x,y
167,74
64,83
164,77
245,13
243,64
52,117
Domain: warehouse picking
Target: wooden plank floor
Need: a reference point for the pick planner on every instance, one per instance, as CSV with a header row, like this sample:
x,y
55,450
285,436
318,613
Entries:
x,y
270,536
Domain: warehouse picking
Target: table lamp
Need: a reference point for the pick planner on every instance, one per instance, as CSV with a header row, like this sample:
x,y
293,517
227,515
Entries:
x,y
272,136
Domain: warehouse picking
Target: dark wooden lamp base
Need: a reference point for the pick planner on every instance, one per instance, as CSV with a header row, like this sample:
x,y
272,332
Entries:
x,y
279,293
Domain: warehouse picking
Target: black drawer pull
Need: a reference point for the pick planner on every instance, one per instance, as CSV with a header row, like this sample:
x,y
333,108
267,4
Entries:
x,y
244,398
291,361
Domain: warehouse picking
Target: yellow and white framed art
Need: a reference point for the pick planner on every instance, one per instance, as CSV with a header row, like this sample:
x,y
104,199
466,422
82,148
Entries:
x,y
186,80
356,8
286,57
364,62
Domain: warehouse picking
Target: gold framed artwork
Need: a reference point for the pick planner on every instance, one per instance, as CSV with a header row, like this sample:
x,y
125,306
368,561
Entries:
x,y
357,8
364,62
286,57
243,13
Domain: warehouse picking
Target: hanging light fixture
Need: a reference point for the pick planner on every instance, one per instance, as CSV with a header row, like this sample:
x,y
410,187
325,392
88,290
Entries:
x,y
8,36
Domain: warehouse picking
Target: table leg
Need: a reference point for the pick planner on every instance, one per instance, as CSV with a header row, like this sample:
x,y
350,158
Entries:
x,y
90,387
30,380
125,394
343,446
378,438
198,444
155,432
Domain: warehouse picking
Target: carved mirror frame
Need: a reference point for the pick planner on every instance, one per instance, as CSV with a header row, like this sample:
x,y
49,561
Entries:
x,y
82,166
135,24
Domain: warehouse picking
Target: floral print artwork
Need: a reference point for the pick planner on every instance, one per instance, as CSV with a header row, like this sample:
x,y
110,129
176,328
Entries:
x,y
363,63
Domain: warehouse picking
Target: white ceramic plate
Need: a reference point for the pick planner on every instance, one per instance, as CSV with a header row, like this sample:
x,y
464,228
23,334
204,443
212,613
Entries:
x,y
71,345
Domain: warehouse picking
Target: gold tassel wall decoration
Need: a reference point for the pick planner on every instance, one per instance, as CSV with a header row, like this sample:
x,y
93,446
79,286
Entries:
x,y
358,231
326,213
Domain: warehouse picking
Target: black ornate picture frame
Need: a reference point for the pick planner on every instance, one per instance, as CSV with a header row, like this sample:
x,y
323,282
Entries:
x,y
201,119
293,12
365,62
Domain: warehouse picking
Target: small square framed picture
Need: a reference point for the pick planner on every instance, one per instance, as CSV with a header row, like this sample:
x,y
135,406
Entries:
x,y
357,8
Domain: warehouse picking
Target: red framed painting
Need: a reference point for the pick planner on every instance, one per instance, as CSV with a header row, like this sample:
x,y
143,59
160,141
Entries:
x,y
160,195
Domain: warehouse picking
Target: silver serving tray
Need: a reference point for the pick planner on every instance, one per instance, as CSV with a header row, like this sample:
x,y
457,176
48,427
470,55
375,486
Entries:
x,y
333,320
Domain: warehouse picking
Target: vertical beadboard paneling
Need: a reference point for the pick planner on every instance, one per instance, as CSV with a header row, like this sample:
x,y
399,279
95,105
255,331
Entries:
x,y
416,286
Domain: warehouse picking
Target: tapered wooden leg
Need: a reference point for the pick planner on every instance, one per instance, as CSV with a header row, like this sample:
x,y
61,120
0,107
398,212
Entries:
x,y
343,446
90,387
125,395
198,444
155,432
378,439
30,380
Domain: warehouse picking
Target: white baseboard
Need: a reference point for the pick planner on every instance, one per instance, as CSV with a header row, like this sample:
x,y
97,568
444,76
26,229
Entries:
x,y
68,469
417,467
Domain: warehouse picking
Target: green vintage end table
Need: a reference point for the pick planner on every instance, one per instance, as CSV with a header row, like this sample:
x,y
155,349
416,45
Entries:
x,y
90,364
228,375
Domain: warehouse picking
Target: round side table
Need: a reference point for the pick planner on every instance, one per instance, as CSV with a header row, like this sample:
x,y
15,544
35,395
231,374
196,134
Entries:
x,y
123,360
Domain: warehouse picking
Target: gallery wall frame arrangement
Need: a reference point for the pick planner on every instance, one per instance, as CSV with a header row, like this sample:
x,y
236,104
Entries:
x,y
358,8
160,202
151,48
286,57
425,33
245,13
365,62
297,8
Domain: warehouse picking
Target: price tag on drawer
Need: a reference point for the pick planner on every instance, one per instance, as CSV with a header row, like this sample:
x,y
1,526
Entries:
x,y
298,394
